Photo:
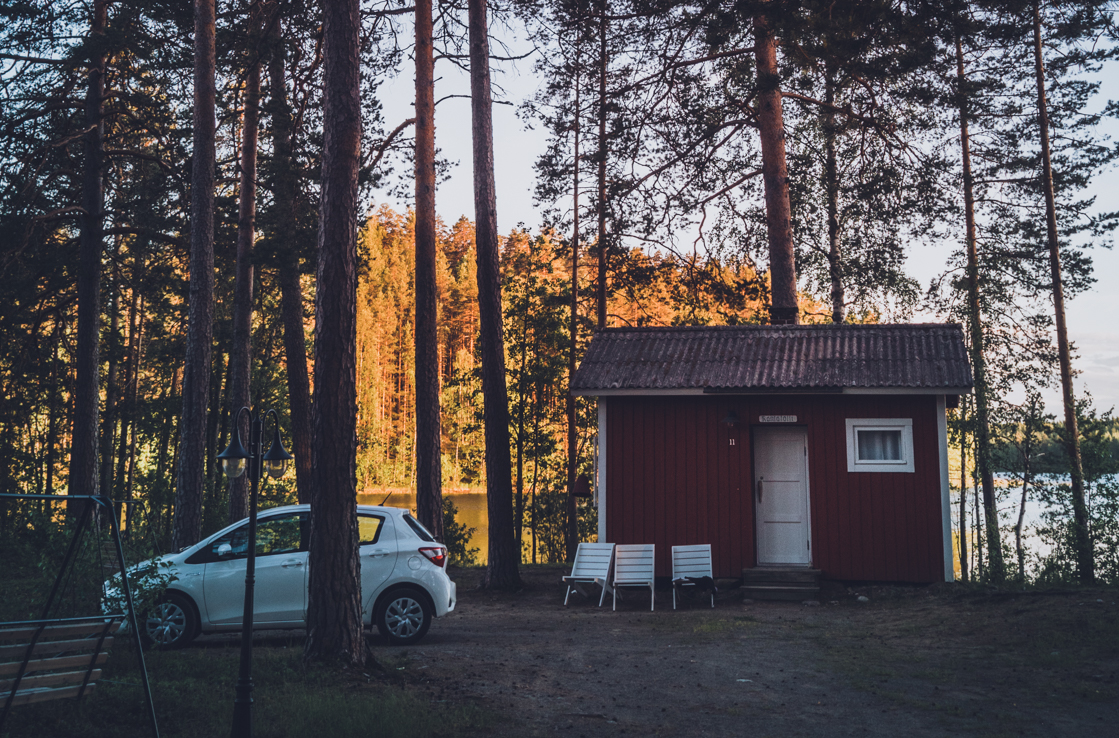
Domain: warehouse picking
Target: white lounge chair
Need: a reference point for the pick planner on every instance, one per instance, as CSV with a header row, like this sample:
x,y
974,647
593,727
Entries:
x,y
633,567
690,563
592,566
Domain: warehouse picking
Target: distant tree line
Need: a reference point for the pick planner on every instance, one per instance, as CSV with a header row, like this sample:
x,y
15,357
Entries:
x,y
182,189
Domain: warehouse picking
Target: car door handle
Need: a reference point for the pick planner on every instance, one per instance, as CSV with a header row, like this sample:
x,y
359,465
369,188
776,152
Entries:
x,y
377,553
291,563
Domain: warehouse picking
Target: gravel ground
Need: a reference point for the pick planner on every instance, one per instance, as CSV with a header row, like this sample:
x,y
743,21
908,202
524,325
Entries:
x,y
909,662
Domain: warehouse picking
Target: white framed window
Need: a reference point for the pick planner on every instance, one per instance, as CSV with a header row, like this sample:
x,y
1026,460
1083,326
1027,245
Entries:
x,y
879,444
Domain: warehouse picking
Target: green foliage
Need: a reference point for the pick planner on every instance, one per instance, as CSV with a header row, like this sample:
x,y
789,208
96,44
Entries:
x,y
548,520
148,582
456,536
1101,487
683,235
1099,447
35,554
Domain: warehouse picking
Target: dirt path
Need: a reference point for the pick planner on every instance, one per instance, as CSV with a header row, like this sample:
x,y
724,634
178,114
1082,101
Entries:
x,y
757,669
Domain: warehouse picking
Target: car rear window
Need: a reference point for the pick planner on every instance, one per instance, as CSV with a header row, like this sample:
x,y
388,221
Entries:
x,y
369,528
418,529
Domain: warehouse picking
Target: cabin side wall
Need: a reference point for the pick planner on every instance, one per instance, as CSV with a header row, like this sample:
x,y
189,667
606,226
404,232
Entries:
x,y
677,475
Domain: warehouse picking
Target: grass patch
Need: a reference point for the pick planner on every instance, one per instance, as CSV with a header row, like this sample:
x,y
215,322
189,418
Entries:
x,y
193,691
724,625
999,663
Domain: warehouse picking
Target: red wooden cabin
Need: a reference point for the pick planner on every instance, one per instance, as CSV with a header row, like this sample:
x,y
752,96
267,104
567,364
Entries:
x,y
810,446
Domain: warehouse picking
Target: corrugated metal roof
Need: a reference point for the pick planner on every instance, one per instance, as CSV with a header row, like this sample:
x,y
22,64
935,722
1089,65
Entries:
x,y
733,358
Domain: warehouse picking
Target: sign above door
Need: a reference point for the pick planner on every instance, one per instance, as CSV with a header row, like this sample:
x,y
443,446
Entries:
x,y
777,418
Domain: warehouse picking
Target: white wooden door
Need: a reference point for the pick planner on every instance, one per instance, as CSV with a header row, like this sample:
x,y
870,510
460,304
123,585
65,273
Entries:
x,y
781,496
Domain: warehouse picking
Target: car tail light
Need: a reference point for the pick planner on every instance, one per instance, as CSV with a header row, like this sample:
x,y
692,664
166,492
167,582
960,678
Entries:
x,y
436,555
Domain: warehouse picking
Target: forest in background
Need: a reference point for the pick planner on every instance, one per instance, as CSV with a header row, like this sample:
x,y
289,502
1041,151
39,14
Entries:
x,y
653,183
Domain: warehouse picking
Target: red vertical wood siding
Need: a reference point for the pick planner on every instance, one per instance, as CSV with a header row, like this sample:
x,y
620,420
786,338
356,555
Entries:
x,y
674,479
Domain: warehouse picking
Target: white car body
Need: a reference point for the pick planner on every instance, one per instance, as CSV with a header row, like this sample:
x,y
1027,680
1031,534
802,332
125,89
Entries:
x,y
392,549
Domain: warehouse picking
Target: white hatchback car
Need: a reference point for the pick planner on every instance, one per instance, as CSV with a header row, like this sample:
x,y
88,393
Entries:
x,y
404,582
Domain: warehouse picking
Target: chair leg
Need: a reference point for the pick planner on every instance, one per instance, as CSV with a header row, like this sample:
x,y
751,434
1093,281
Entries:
x,y
615,606
652,597
674,595
712,600
567,595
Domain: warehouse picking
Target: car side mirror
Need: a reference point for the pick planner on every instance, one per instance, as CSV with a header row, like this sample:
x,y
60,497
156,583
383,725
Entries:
x,y
225,550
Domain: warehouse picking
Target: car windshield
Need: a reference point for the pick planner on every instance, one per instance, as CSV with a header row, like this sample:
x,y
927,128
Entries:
x,y
418,529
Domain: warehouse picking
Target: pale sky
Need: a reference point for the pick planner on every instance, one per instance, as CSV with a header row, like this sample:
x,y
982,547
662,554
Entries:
x,y
1093,317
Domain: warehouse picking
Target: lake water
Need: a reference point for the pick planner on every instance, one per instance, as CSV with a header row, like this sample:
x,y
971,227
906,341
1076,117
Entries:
x,y
472,511
1009,493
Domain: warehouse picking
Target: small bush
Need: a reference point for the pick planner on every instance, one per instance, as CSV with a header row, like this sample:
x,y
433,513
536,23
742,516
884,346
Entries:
x,y
456,536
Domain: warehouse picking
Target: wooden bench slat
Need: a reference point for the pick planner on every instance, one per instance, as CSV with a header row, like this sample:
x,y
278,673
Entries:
x,y
66,662
43,695
49,675
26,632
79,645
34,681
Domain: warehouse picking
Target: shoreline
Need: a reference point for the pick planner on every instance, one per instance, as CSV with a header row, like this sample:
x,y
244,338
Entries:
x,y
374,491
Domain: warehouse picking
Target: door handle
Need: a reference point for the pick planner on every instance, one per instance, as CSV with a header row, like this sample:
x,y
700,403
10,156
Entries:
x,y
760,489
377,553
291,563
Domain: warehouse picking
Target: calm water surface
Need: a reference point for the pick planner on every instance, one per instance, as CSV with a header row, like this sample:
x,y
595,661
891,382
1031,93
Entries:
x,y
471,512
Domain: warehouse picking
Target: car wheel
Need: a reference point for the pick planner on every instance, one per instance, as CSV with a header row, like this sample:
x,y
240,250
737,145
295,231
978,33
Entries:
x,y
403,616
172,623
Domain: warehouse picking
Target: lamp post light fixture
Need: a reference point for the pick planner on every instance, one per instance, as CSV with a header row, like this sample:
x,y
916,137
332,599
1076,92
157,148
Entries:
x,y
234,461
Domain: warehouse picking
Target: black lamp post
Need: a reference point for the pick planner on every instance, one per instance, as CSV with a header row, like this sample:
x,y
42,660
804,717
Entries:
x,y
234,459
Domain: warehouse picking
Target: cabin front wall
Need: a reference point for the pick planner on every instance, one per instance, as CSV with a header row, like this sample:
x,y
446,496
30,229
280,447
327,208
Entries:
x,y
676,474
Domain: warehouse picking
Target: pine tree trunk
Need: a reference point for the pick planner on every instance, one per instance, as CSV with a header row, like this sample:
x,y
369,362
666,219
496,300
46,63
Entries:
x,y
200,323
334,630
537,412
572,528
299,383
132,390
503,556
1082,541
87,359
291,291
964,561
429,473
53,410
601,287
127,401
602,246
217,430
771,126
1019,547
979,561
522,403
112,401
997,567
130,507
163,465
240,353
831,190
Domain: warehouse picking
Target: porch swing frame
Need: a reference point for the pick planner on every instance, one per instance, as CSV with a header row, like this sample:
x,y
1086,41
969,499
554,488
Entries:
x,y
111,620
